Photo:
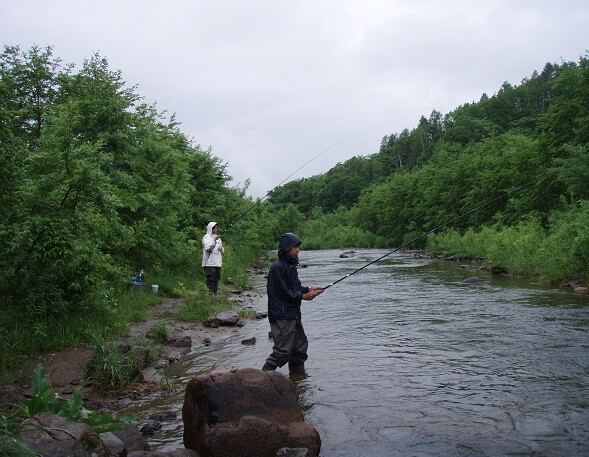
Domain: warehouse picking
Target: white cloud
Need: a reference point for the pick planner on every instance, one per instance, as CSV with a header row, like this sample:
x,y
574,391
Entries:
x,y
269,85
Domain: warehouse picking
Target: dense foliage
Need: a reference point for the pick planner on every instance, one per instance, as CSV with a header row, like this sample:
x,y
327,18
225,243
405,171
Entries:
x,y
96,186
532,137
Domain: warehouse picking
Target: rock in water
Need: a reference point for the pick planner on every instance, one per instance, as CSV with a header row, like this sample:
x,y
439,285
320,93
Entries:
x,y
245,412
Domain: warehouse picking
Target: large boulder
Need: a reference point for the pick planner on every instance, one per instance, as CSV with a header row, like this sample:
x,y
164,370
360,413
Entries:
x,y
245,412
51,435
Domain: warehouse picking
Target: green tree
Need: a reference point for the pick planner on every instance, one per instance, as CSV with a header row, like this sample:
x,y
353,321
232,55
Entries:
x,y
28,87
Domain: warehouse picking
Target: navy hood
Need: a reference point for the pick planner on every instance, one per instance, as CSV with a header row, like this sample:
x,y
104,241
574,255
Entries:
x,y
287,241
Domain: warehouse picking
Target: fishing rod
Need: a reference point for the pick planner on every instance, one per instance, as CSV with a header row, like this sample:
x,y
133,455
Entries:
x,y
474,210
282,182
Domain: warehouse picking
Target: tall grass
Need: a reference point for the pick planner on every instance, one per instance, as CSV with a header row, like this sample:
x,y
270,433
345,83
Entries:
x,y
119,307
112,368
200,304
21,337
554,253
238,257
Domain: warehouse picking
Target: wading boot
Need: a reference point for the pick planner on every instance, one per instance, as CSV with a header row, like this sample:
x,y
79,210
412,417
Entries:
x,y
268,367
296,368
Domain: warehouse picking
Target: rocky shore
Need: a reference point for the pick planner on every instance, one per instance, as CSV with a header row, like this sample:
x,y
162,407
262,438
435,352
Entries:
x,y
66,369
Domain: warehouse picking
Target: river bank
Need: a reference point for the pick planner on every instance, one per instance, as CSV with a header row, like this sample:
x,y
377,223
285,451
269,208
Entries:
x,y
66,369
441,351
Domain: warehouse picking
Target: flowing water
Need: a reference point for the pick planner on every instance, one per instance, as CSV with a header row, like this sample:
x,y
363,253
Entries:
x,y
405,359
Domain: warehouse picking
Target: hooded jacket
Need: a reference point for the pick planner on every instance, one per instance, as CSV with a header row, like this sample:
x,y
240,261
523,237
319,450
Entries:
x,y
284,288
211,256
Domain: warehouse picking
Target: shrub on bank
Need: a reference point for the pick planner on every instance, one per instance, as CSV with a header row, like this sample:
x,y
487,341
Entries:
x,y
557,252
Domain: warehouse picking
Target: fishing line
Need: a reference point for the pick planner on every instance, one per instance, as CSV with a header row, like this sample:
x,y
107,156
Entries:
x,y
282,182
474,210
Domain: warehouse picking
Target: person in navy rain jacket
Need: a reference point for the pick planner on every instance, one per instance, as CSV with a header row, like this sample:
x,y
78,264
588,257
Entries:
x,y
285,293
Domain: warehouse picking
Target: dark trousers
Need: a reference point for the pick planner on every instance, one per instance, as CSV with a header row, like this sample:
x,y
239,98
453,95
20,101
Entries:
x,y
213,275
290,343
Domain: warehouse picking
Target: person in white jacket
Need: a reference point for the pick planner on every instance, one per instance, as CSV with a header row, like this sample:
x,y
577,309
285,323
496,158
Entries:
x,y
212,256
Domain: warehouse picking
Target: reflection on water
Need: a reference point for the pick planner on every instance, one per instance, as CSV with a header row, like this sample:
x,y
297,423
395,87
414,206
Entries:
x,y
405,359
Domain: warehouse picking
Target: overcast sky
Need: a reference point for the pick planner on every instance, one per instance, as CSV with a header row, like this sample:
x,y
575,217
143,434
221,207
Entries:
x,y
268,85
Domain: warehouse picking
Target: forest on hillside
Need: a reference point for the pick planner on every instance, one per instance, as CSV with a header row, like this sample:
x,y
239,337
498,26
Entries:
x,y
533,135
98,185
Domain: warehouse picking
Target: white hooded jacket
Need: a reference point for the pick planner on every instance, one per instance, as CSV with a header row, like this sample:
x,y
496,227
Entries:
x,y
211,255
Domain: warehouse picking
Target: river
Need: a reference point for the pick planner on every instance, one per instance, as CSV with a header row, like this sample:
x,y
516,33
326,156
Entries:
x,y
405,359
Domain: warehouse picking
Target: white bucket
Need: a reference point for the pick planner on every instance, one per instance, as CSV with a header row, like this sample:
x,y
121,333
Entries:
x,y
154,288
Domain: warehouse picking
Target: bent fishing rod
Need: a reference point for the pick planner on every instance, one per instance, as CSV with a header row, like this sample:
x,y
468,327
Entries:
x,y
474,210
279,184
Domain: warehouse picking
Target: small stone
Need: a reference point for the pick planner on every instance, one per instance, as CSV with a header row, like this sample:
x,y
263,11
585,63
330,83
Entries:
x,y
249,341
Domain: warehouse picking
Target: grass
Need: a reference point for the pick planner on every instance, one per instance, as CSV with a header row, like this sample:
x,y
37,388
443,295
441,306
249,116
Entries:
x,y
19,339
113,368
116,309
199,304
557,252
158,333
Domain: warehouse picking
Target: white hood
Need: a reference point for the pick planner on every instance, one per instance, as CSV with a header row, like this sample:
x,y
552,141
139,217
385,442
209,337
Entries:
x,y
212,256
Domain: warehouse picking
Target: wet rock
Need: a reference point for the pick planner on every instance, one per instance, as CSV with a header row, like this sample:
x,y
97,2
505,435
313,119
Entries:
x,y
150,428
244,412
473,280
206,341
249,341
498,271
228,318
136,375
175,453
261,315
211,322
347,254
295,452
165,417
148,454
114,443
51,435
132,437
180,341
184,453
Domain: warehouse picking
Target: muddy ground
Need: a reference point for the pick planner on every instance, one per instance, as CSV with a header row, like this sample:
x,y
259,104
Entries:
x,y
66,368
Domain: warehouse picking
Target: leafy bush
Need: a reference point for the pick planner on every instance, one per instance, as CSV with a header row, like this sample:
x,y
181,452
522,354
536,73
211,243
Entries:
x,y
45,399
557,252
